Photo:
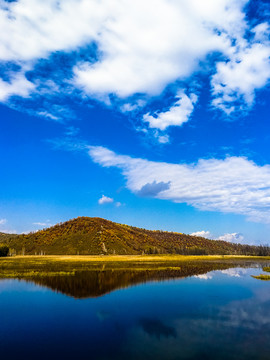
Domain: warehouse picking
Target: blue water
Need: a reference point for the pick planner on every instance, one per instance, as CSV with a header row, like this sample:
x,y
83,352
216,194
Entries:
x,y
218,315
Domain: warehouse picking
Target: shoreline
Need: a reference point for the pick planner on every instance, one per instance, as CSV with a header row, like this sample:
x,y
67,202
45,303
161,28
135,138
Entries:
x,y
128,258
60,265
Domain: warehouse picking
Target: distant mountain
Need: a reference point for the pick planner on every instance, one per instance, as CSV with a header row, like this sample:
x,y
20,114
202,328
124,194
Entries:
x,y
93,236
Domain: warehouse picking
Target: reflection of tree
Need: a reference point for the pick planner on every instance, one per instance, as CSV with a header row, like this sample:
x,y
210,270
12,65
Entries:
x,y
99,282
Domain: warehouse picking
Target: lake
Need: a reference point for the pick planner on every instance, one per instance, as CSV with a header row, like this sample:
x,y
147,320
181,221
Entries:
x,y
109,314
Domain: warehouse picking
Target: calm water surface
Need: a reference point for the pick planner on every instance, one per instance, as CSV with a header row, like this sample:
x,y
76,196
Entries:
x,y
222,314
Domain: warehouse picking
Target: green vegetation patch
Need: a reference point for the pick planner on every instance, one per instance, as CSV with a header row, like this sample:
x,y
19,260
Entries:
x,y
262,277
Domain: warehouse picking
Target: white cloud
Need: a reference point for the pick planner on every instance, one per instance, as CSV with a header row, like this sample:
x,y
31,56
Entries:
x,y
233,237
141,48
237,79
118,204
163,139
48,115
105,200
233,185
43,223
129,107
29,231
3,221
8,231
178,114
17,85
230,237
248,69
33,29
202,233
142,51
142,45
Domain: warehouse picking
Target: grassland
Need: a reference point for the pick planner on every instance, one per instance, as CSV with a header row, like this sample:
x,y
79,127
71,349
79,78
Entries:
x,y
38,266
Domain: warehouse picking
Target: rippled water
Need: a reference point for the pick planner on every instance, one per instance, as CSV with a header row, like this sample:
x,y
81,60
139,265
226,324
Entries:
x,y
221,314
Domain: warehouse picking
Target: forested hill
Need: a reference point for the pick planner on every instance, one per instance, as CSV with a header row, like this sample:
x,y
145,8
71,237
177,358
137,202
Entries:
x,y
86,235
4,237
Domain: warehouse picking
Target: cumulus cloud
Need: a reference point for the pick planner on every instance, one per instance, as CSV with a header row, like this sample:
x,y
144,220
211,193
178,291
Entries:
x,y
233,237
202,233
230,237
105,200
233,185
33,29
178,114
135,47
127,53
248,70
146,45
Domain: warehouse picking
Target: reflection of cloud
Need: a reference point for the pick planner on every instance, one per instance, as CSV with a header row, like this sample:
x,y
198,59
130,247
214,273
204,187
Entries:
x,y
234,272
156,328
229,316
252,313
204,276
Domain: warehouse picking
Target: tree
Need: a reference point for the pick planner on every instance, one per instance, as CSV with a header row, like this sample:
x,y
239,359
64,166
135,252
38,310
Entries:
x,y
4,250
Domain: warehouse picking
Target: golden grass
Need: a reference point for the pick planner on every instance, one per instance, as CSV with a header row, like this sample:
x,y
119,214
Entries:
x,y
53,265
129,258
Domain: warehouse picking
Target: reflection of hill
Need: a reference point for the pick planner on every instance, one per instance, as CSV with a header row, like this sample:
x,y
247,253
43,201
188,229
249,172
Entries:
x,y
95,283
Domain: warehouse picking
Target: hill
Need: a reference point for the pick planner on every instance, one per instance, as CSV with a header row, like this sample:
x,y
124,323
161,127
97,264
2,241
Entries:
x,y
92,236
4,237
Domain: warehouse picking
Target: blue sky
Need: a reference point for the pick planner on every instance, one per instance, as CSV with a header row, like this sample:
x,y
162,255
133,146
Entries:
x,y
152,113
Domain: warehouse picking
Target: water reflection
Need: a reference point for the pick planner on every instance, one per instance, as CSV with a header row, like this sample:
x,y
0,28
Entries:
x,y
96,283
214,312
155,327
